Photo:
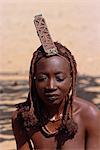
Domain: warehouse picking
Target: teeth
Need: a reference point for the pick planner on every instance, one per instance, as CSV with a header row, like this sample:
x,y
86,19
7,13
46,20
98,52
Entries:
x,y
52,98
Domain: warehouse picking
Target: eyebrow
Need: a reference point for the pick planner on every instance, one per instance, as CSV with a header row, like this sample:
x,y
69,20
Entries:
x,y
59,72
62,73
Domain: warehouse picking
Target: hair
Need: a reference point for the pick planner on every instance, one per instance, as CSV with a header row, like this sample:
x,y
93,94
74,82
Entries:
x,y
31,111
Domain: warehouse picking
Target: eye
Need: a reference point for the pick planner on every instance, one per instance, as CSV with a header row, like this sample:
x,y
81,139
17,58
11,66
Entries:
x,y
41,78
60,78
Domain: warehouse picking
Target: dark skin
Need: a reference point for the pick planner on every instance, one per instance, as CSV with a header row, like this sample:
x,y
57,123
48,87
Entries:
x,y
53,81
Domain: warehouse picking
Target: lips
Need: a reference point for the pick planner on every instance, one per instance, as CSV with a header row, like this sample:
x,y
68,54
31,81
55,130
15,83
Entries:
x,y
52,96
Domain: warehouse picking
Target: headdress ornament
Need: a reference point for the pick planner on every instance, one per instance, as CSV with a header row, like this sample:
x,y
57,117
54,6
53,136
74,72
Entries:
x,y
44,36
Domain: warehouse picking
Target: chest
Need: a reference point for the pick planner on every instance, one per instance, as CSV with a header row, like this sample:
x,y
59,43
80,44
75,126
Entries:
x,y
40,141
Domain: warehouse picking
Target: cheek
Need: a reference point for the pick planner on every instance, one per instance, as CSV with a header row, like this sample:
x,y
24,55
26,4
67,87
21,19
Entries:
x,y
65,87
39,88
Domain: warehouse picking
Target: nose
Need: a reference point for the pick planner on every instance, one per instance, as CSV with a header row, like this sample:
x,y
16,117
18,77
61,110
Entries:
x,y
51,85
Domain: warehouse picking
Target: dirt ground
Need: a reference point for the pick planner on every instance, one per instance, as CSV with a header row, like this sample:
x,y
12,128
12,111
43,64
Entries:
x,y
76,24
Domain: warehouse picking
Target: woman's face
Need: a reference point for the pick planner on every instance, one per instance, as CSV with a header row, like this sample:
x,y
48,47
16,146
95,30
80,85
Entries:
x,y
53,79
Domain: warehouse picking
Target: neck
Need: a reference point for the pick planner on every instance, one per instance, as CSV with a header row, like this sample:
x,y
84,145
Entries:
x,y
55,110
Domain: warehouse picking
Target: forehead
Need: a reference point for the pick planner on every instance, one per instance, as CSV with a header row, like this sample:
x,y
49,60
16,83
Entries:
x,y
53,63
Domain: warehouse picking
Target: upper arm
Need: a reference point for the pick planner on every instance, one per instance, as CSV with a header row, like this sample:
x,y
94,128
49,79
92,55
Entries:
x,y
19,133
92,122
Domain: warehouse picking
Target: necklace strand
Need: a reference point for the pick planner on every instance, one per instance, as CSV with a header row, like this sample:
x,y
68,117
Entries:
x,y
53,119
47,131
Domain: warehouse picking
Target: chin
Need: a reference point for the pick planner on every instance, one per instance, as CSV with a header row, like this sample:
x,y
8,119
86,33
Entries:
x,y
52,102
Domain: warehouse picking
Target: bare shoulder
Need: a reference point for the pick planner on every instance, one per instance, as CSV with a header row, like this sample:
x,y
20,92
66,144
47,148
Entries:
x,y
14,115
87,106
89,112
89,117
15,121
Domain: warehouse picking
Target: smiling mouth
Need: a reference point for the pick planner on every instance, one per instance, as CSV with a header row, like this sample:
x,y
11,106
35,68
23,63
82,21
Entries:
x,y
52,96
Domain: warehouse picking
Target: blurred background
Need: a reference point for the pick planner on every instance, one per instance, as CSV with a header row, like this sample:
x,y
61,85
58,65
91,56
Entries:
x,y
74,23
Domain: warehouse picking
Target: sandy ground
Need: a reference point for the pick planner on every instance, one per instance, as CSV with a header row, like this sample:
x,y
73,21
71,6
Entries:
x,y
75,24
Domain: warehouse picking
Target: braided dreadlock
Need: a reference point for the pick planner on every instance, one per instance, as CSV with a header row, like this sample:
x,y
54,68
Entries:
x,y
31,112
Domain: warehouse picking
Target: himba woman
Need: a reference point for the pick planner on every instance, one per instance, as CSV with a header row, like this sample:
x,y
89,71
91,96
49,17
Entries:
x,y
53,117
